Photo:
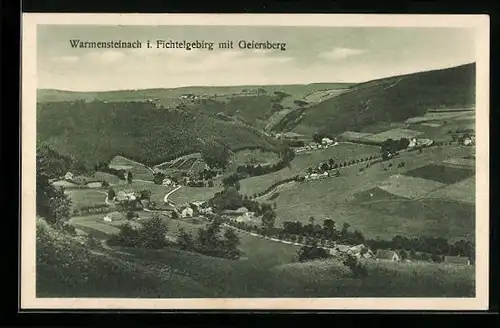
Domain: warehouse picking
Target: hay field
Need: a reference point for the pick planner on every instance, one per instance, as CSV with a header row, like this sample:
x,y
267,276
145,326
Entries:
x,y
409,187
463,191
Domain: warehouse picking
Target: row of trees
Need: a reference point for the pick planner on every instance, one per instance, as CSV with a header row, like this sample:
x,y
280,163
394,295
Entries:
x,y
211,241
390,145
332,165
151,234
254,170
326,235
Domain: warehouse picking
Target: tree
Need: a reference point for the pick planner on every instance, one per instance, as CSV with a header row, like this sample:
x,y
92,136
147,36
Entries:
x,y
231,242
216,156
51,203
268,219
153,233
175,215
128,236
145,194
331,161
210,183
158,178
309,253
184,239
111,194
129,177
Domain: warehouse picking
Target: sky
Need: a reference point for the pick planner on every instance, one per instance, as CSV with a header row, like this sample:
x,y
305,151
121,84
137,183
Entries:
x,y
312,55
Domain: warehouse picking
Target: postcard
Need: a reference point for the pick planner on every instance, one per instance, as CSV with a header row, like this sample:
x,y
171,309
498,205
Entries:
x,y
244,161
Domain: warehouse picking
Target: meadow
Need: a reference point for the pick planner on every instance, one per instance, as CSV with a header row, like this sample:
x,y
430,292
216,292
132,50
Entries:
x,y
299,165
356,198
86,197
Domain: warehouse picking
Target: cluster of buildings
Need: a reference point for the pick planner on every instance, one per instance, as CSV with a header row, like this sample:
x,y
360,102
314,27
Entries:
x,y
325,143
414,142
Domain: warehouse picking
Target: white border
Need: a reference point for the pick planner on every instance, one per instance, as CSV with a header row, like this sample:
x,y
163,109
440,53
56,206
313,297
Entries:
x,y
29,85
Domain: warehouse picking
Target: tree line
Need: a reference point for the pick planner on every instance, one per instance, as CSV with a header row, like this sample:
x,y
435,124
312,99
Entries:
x,y
211,241
254,170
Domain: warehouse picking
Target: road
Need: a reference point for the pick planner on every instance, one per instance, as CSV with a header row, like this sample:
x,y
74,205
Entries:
x,y
165,199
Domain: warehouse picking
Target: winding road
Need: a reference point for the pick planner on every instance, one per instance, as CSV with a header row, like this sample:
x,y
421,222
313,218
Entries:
x,y
165,199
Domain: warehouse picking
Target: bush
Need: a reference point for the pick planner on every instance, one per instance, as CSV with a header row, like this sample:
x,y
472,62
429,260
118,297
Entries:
x,y
358,270
308,253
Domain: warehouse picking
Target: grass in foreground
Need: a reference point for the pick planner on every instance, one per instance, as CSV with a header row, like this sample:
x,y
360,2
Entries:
x,y
71,267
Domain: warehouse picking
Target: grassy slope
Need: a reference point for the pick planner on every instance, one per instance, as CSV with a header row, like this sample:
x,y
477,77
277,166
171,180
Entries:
x,y
389,99
66,268
341,199
301,162
98,131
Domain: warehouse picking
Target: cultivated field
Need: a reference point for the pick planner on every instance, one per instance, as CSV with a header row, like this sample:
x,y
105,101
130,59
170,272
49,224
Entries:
x,y
409,187
86,197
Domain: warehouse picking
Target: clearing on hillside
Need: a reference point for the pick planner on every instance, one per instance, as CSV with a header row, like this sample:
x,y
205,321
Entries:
x,y
255,157
139,171
393,134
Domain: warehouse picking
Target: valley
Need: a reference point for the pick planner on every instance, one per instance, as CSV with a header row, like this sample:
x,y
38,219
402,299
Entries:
x,y
388,164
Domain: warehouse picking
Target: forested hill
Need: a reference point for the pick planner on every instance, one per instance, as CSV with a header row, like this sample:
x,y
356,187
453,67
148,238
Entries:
x,y
97,131
391,99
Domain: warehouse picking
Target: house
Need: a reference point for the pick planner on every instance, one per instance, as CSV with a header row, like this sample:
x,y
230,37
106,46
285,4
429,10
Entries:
x,y
187,212
457,260
326,141
386,254
166,182
413,143
68,176
242,210
361,251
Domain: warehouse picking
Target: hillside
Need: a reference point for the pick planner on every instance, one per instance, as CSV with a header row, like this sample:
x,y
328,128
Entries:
x,y
97,131
49,95
386,100
75,267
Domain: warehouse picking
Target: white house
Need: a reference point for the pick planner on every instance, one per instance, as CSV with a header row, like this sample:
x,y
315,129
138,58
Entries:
x,y
413,143
187,212
326,141
68,176
386,254
166,182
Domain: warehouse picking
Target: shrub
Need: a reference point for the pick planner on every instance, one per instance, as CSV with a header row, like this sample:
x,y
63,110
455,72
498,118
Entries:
x,y
358,270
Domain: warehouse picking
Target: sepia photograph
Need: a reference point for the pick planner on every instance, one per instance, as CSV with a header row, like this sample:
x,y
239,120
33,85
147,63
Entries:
x,y
226,161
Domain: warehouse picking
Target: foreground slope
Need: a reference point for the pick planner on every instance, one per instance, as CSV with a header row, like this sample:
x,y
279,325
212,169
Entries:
x,y
69,267
391,99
